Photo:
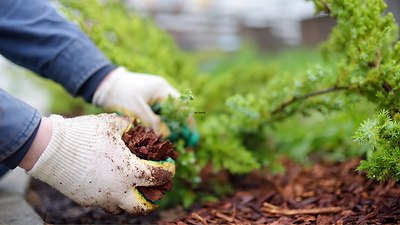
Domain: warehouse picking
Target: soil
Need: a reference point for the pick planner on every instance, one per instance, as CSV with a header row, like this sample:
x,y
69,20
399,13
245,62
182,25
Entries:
x,y
145,144
327,193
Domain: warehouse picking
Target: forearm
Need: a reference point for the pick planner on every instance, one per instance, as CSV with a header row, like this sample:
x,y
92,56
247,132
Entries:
x,y
35,36
39,144
19,123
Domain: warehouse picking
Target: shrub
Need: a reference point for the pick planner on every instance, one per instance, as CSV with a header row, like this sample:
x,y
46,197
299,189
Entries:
x,y
252,108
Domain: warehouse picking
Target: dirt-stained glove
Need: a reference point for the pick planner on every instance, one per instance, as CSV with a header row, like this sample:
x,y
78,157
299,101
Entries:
x,y
87,161
132,94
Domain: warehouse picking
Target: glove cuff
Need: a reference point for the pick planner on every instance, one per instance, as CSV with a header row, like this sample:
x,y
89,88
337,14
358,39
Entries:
x,y
100,95
64,160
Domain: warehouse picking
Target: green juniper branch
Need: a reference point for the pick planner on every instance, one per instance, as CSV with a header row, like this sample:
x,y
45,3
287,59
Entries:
x,y
369,67
328,9
315,93
235,135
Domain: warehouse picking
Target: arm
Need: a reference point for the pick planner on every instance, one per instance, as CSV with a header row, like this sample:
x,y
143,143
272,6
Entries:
x,y
35,36
19,123
66,152
83,157
39,144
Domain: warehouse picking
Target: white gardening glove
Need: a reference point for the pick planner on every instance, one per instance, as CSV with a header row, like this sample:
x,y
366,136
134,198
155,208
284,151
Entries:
x,y
87,161
132,94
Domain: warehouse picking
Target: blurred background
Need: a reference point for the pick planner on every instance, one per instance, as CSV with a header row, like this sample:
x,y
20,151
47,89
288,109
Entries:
x,y
220,49
213,26
223,24
198,25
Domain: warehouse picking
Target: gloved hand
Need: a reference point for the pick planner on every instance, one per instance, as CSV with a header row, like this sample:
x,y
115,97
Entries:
x,y
87,161
132,94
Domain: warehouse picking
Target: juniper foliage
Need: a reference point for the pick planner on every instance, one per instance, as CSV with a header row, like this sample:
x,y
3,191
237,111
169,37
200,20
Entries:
x,y
245,103
365,42
383,134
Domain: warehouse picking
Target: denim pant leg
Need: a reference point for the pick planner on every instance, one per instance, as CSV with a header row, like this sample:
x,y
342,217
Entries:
x,y
3,170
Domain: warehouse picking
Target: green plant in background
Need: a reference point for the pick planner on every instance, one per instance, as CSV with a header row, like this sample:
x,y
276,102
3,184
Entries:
x,y
137,44
175,112
249,72
370,67
366,44
255,111
131,41
383,134
322,136
63,103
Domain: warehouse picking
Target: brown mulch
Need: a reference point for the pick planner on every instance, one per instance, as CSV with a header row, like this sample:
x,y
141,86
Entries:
x,y
146,144
327,193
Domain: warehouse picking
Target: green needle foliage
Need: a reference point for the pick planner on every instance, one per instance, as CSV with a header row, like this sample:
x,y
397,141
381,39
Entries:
x,y
383,134
363,41
370,67
249,106
365,44
175,113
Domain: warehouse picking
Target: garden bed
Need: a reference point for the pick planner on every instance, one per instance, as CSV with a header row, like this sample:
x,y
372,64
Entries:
x,y
323,194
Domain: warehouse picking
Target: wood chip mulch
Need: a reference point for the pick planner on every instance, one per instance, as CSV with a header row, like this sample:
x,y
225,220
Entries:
x,y
146,144
327,193
324,194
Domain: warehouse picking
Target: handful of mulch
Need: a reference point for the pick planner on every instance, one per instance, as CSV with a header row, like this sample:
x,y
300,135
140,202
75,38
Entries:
x,y
145,144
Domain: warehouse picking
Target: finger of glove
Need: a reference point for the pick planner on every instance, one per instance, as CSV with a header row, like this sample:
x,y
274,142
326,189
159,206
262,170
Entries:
x,y
115,123
165,90
152,89
150,173
134,203
114,210
138,108
149,118
172,91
